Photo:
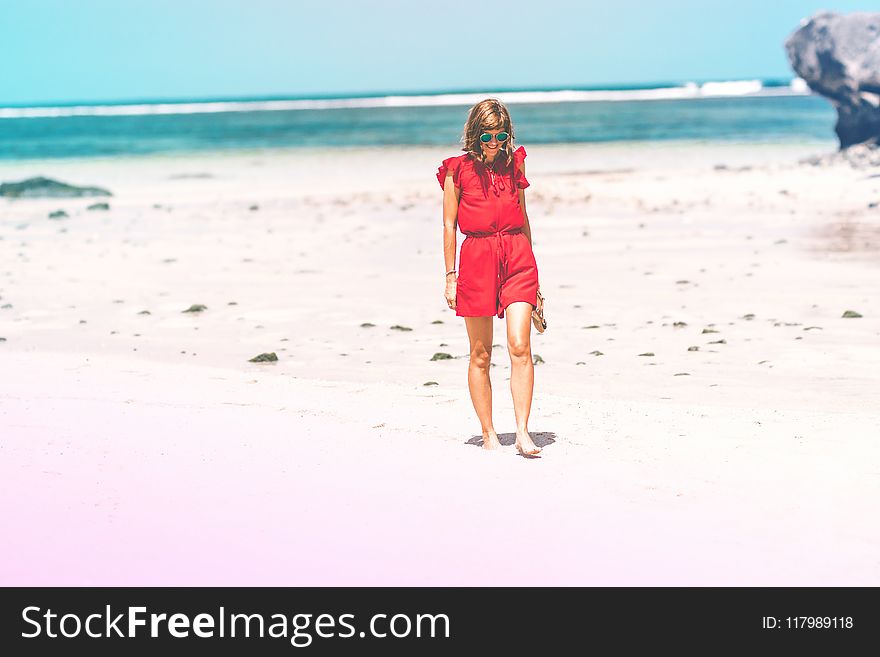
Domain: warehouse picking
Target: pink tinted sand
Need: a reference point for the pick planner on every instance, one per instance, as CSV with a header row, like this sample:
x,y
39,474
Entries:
x,y
158,455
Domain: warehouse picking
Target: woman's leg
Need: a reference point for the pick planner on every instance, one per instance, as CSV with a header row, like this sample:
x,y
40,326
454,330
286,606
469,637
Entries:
x,y
522,371
479,331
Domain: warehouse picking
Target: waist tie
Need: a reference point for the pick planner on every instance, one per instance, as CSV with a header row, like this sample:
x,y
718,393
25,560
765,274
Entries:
x,y
500,260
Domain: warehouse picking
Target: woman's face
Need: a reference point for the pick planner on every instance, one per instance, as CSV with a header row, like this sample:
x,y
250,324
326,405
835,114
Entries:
x,y
491,148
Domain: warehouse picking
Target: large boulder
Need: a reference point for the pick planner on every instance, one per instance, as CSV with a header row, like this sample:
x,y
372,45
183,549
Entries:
x,y
839,57
47,188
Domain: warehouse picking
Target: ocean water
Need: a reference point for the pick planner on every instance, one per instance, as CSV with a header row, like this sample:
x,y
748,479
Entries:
x,y
743,111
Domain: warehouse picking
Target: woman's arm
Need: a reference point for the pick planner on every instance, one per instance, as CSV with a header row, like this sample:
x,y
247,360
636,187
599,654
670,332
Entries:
x,y
527,229
451,194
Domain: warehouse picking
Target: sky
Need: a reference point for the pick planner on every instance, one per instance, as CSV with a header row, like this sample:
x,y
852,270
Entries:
x,y
63,51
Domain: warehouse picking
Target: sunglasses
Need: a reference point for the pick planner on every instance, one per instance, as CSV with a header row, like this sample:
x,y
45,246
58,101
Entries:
x,y
486,137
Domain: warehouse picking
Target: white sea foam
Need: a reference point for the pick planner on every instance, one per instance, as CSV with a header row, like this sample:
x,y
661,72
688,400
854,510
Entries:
x,y
689,90
735,88
799,85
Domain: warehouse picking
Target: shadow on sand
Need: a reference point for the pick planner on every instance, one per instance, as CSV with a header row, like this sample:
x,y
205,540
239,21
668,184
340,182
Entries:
x,y
540,438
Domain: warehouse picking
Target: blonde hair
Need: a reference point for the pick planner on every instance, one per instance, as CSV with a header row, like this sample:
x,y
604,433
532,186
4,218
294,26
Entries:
x,y
488,114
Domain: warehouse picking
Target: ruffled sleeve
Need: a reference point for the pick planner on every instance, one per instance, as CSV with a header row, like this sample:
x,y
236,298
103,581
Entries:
x,y
449,164
518,156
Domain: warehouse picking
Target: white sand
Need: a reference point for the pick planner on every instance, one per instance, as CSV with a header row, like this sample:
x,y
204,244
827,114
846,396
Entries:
x,y
159,455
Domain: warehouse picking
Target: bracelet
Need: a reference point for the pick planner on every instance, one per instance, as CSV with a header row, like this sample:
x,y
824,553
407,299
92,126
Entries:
x,y
451,271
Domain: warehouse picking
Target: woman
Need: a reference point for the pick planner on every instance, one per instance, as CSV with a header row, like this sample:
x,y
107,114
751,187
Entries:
x,y
484,193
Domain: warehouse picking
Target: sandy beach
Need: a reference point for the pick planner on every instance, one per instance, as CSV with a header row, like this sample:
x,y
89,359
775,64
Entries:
x,y
708,416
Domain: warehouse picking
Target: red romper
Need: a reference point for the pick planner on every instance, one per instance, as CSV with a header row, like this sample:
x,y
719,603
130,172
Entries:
x,y
496,264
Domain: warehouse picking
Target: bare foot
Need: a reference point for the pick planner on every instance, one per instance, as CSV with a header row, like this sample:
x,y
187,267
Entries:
x,y
525,445
490,440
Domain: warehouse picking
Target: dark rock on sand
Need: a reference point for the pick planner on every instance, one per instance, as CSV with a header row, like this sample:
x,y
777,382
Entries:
x,y
647,353
858,156
145,312
47,188
398,327
367,325
839,57
441,356
195,308
58,214
264,358
430,383
537,359
850,313
694,348
99,206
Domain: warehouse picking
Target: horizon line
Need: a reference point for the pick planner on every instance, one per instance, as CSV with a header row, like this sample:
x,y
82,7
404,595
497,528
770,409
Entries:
x,y
622,86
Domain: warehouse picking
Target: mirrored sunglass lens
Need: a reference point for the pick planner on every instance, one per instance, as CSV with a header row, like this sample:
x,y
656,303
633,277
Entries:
x,y
485,137
501,136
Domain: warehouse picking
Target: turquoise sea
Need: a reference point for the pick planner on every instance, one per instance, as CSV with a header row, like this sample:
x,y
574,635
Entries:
x,y
741,110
